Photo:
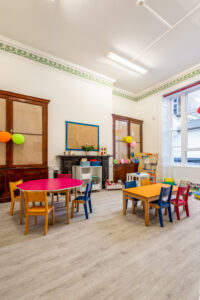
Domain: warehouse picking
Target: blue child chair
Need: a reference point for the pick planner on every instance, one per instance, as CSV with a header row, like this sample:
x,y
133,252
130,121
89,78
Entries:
x,y
128,185
160,203
86,199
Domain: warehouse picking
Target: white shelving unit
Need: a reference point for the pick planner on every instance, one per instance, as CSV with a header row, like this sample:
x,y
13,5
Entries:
x,y
87,174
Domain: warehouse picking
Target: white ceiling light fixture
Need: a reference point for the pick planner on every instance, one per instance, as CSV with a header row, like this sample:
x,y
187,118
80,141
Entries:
x,y
143,3
124,62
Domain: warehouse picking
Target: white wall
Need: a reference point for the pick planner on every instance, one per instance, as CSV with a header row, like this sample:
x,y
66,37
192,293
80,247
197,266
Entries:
x,y
79,100
72,99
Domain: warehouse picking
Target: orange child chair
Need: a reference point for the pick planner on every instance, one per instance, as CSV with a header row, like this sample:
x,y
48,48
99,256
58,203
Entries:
x,y
181,200
14,197
145,181
38,210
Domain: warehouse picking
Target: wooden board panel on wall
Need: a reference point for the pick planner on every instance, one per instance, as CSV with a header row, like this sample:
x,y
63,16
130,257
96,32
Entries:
x,y
27,118
78,135
2,128
28,153
135,128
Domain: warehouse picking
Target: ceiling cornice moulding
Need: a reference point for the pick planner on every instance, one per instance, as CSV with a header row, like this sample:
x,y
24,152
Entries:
x,y
123,94
161,87
55,63
39,57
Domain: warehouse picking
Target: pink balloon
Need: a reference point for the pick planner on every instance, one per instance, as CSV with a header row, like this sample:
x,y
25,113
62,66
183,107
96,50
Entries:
x,y
133,144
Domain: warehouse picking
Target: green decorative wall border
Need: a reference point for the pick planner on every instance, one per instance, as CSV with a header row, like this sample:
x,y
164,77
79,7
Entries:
x,y
92,77
53,64
159,88
123,95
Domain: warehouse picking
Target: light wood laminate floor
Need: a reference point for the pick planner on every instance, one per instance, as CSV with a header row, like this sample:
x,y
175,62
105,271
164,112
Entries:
x,y
110,256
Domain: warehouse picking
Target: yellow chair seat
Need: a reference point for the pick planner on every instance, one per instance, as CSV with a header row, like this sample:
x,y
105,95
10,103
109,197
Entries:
x,y
40,209
17,198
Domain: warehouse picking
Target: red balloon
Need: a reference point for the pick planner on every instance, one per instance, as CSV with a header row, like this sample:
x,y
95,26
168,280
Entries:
x,y
198,110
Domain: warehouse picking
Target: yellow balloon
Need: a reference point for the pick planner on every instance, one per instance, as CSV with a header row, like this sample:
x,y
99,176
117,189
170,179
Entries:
x,y
129,139
137,154
123,139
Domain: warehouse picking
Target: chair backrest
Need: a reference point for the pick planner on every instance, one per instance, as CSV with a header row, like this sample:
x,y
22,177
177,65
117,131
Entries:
x,y
36,197
130,184
13,188
145,181
165,192
183,193
88,190
64,176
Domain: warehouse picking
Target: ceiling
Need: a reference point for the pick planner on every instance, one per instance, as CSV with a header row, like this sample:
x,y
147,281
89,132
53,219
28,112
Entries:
x,y
84,31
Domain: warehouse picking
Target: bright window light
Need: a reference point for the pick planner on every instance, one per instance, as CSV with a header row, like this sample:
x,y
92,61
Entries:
x,y
126,63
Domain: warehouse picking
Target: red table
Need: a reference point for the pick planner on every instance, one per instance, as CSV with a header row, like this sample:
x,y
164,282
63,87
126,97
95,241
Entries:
x,y
52,185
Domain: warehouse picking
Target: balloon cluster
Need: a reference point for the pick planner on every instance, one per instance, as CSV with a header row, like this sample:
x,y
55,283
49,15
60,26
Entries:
x,y
127,161
17,138
129,140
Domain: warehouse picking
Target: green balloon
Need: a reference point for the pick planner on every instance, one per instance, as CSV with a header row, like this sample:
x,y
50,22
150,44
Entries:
x,y
18,138
115,161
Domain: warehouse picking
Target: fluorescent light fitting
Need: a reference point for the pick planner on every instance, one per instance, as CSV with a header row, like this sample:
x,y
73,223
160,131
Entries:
x,y
122,61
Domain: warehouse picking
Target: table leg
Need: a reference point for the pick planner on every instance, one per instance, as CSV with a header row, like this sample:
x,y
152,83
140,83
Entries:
x,y
22,207
124,203
67,205
146,211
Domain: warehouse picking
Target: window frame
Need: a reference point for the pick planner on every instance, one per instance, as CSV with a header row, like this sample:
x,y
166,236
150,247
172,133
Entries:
x,y
183,94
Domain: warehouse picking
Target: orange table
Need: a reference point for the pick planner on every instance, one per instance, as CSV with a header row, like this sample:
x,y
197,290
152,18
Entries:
x,y
147,193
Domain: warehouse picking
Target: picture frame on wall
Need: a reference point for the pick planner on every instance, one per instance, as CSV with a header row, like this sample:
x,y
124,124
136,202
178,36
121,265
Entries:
x,y
81,134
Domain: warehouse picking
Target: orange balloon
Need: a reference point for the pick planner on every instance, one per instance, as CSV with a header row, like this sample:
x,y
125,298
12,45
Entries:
x,y
5,136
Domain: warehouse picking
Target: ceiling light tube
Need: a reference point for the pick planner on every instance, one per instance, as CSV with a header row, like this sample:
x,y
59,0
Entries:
x,y
122,61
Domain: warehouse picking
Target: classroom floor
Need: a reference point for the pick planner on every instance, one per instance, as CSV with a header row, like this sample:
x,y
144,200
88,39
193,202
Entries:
x,y
109,256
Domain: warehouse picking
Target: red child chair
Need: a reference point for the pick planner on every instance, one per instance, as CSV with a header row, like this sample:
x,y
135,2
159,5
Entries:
x,y
181,200
64,176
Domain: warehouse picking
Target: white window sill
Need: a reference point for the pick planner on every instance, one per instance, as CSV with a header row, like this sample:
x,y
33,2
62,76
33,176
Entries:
x,y
185,166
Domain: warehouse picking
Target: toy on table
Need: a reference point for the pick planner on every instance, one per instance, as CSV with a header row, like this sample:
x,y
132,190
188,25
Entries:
x,y
110,185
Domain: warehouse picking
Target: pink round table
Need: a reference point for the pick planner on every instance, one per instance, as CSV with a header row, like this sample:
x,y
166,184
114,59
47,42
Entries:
x,y
52,185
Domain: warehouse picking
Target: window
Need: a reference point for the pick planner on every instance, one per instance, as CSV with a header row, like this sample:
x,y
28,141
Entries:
x,y
193,128
176,130
122,127
183,134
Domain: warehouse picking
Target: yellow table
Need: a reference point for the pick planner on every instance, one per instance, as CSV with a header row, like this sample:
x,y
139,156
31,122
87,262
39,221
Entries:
x,y
147,193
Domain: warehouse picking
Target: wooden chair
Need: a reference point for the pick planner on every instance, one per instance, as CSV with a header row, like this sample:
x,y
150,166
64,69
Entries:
x,y
86,199
181,200
38,210
145,181
160,203
14,197
62,176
